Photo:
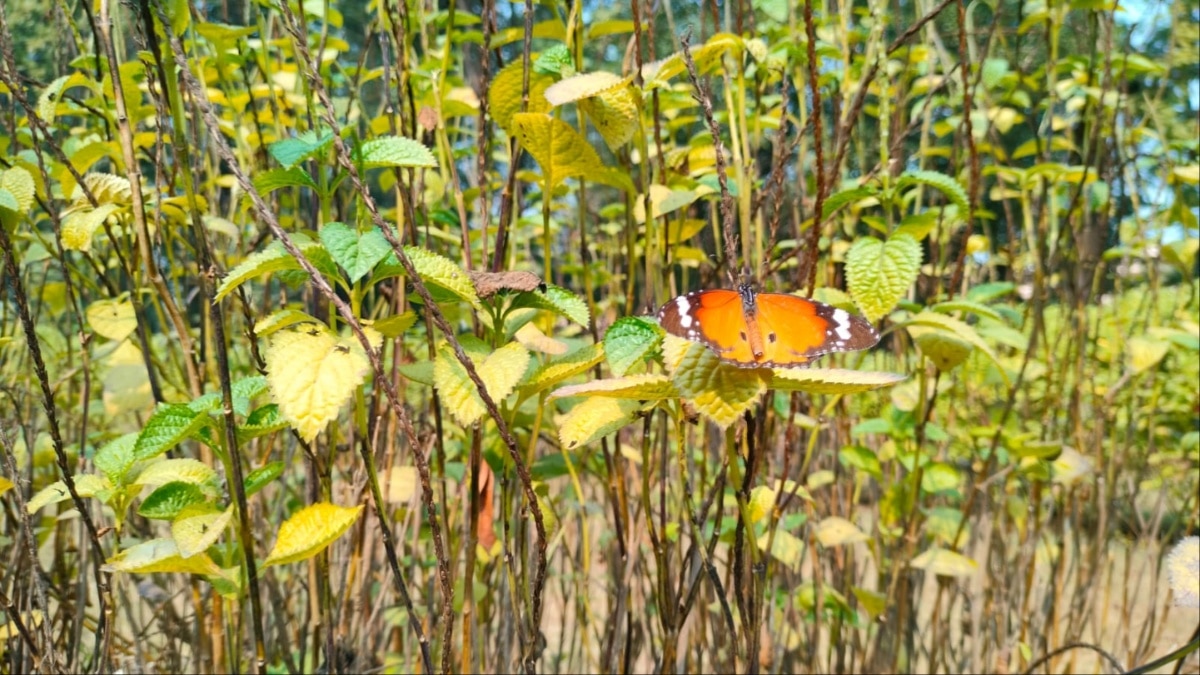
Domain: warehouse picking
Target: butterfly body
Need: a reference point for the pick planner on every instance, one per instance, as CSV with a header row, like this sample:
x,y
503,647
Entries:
x,y
765,330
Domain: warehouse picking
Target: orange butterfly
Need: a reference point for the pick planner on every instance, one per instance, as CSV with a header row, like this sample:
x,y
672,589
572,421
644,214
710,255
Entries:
x,y
765,330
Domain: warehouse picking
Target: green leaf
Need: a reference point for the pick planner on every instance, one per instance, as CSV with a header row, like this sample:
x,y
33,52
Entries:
x,y
262,476
594,419
554,60
954,328
275,258
861,459
976,308
291,151
849,196
940,477
169,426
945,184
555,299
831,380
559,150
356,253
262,421
629,341
504,96
115,457
168,500
945,349
184,470
310,531
394,326
558,370
271,180
879,274
718,391
395,151
160,555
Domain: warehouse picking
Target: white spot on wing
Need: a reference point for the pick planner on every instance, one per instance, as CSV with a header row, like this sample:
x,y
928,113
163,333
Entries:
x,y
841,320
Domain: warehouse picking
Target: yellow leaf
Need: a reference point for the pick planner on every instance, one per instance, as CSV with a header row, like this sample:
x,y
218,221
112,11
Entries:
x,y
180,469
533,339
79,226
504,96
1188,174
640,387
558,148
500,373
86,484
946,350
581,86
20,185
718,391
113,319
595,418
1146,353
311,373
403,482
5,485
197,527
945,563
31,619
160,555
786,548
762,502
310,531
836,531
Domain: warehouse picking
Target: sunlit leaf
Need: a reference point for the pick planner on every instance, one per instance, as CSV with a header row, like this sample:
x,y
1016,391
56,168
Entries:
x,y
558,370
500,373
168,500
312,373
113,319
198,527
831,380
718,391
638,387
879,274
555,299
559,150
395,151
504,95
160,555
310,531
86,485
945,563
837,531
595,418
629,341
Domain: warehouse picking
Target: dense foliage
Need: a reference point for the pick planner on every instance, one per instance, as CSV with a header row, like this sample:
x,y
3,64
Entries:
x,y
328,336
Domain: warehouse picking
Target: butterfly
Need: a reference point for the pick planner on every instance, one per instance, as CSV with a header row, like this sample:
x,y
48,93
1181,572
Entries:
x,y
765,330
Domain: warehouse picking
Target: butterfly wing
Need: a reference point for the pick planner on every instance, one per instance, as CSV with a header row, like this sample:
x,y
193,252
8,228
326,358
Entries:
x,y
715,318
796,330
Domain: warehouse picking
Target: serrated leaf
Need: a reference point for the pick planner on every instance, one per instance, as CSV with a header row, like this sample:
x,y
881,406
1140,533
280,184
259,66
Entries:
x,y
356,253
555,299
554,60
281,319
395,151
628,341
637,387
718,391
945,184
169,499
113,319
504,96
184,470
310,531
945,563
559,150
86,485
831,380
879,274
291,151
115,457
275,258
160,555
616,114
170,424
595,418
19,183
438,270
581,86
262,476
80,226
558,370
197,528
500,373
270,180
311,374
